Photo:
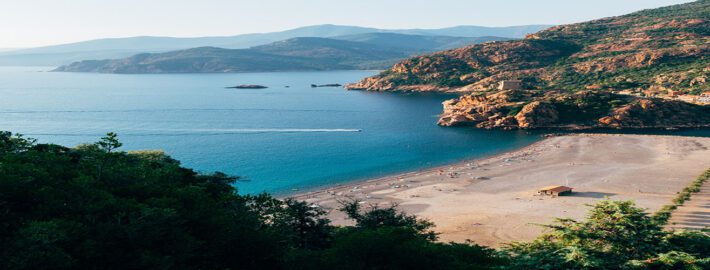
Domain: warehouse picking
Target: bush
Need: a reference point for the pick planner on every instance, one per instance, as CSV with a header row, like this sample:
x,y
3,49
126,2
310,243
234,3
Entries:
x,y
615,235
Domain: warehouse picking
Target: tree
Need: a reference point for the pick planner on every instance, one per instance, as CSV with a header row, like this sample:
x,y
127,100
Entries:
x,y
143,212
616,234
109,142
301,224
106,144
10,143
376,217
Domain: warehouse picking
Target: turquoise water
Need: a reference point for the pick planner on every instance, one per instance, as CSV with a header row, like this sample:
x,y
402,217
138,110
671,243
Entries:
x,y
280,139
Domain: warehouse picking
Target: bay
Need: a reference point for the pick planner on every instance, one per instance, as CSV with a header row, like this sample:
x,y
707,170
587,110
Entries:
x,y
285,138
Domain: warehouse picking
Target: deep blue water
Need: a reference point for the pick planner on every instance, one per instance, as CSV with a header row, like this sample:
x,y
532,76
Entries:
x,y
279,139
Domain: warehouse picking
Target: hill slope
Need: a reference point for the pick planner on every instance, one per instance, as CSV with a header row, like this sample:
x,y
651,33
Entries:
x,y
123,47
306,53
664,47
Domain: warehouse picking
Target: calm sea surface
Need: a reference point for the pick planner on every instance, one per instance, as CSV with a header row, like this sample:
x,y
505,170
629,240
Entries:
x,y
280,139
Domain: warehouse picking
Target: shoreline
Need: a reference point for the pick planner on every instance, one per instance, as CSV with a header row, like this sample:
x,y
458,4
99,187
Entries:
x,y
492,200
310,192
307,193
545,136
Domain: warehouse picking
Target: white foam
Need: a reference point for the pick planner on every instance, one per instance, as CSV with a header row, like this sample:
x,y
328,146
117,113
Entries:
x,y
262,130
197,131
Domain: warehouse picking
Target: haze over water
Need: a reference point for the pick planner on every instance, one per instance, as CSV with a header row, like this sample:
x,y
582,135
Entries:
x,y
280,139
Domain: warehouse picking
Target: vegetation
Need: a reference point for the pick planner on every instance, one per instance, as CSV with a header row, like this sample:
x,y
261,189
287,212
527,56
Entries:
x,y
616,235
94,207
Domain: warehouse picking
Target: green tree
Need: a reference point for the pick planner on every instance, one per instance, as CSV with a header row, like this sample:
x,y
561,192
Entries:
x,y
377,217
385,238
109,142
616,234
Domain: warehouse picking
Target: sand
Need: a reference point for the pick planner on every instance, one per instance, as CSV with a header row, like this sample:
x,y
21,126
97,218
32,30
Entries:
x,y
493,201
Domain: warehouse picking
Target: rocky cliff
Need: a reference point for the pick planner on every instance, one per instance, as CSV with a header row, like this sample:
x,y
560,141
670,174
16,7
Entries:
x,y
666,47
528,109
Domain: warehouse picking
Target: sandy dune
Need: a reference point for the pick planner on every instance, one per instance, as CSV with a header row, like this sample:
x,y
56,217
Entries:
x,y
492,201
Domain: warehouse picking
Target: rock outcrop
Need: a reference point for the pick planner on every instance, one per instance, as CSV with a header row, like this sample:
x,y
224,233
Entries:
x,y
537,114
525,109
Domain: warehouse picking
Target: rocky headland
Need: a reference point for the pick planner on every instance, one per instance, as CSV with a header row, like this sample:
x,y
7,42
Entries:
x,y
528,109
605,73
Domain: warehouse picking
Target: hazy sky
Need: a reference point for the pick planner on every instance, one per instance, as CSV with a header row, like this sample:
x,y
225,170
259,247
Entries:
x,y
29,23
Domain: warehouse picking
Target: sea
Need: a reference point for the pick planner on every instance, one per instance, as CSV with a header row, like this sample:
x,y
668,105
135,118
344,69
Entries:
x,y
284,139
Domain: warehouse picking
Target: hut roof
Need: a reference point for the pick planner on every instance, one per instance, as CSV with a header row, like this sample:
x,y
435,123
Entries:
x,y
556,189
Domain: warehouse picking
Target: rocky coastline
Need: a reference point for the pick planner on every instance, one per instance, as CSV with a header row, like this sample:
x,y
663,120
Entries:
x,y
606,73
530,109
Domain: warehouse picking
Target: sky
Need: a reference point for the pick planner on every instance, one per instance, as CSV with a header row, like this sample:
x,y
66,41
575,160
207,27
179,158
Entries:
x,y
32,23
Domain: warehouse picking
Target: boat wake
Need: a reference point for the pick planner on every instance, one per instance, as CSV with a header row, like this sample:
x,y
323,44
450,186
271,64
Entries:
x,y
180,132
265,130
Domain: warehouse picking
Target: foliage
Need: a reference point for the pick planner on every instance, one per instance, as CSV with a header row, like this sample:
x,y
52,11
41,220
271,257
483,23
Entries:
x,y
91,207
384,238
377,217
94,207
671,260
615,235
396,248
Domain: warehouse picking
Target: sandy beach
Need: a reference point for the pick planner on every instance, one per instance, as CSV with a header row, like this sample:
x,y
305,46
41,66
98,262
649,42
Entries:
x,y
493,201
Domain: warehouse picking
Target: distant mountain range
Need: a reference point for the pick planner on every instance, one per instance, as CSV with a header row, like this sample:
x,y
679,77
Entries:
x,y
360,51
113,48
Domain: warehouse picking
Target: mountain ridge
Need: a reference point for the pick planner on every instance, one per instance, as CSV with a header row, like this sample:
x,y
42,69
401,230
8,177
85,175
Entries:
x,y
109,48
364,51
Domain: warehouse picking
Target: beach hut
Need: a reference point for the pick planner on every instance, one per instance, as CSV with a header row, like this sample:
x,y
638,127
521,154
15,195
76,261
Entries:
x,y
555,190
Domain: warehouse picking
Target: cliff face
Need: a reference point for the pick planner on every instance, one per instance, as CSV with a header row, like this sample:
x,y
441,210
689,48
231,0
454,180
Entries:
x,y
665,47
526,109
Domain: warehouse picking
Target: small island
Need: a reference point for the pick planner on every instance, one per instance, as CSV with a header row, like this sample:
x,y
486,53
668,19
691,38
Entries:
x,y
326,85
247,86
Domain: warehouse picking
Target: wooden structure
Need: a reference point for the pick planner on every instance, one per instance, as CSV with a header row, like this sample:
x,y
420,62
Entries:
x,y
555,190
